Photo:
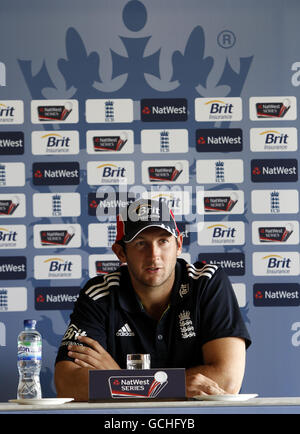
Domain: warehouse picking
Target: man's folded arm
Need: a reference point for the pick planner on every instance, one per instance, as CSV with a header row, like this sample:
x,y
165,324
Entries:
x,y
222,371
72,377
71,381
223,368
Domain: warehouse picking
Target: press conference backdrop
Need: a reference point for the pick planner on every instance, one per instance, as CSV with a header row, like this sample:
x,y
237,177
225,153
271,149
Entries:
x,y
195,103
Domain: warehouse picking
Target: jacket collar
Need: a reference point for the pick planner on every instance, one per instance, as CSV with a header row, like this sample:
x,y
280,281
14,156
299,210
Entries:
x,y
130,302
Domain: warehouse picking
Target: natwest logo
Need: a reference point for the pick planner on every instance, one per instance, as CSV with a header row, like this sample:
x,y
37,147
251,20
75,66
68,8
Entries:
x,y
11,143
105,204
232,263
270,170
278,294
56,173
51,298
219,140
13,267
162,110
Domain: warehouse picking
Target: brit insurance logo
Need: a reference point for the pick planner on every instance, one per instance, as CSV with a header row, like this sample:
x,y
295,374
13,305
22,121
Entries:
x,y
110,172
13,237
164,110
219,140
11,143
273,140
178,201
216,233
269,170
57,267
11,112
62,142
218,109
276,294
273,108
275,263
56,173
51,298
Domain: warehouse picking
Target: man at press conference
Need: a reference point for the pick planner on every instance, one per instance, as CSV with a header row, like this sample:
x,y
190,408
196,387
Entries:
x,y
184,315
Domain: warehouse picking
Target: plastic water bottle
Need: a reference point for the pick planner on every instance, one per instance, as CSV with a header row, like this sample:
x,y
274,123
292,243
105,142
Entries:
x,y
29,361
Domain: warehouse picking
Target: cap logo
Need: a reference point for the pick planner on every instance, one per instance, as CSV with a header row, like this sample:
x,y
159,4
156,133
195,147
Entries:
x,y
147,210
143,212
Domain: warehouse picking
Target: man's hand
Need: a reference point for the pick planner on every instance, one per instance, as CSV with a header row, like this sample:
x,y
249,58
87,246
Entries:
x,y
222,369
199,384
72,377
93,356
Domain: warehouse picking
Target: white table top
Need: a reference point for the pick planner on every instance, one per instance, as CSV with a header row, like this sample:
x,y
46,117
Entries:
x,y
278,401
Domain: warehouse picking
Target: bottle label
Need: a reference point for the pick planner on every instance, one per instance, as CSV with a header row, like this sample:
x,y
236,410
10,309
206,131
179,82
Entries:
x,y
29,350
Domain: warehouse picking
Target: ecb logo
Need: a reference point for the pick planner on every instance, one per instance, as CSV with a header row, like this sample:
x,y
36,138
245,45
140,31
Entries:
x,y
2,74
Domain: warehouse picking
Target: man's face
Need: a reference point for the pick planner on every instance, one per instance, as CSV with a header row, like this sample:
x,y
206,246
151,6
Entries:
x,y
151,258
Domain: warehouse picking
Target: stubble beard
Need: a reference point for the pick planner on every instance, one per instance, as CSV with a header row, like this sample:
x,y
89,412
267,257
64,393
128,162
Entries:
x,y
147,283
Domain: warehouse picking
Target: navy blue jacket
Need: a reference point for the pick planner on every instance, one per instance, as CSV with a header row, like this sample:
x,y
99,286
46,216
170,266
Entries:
x,y
202,307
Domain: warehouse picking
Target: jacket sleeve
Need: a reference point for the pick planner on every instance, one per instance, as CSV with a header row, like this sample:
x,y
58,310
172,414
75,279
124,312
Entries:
x,y
89,318
220,312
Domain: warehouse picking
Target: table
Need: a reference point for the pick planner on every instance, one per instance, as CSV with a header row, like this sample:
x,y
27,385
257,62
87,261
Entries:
x,y
259,405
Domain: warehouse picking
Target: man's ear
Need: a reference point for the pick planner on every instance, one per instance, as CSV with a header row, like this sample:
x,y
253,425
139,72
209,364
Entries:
x,y
119,251
179,244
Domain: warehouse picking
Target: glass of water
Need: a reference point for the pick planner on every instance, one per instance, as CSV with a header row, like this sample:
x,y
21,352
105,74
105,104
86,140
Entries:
x,y
138,361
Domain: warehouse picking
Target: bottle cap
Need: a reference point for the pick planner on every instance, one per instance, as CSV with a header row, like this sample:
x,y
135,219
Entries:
x,y
30,323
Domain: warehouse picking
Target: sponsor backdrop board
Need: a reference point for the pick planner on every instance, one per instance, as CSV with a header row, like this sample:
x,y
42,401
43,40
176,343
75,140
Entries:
x,y
194,104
